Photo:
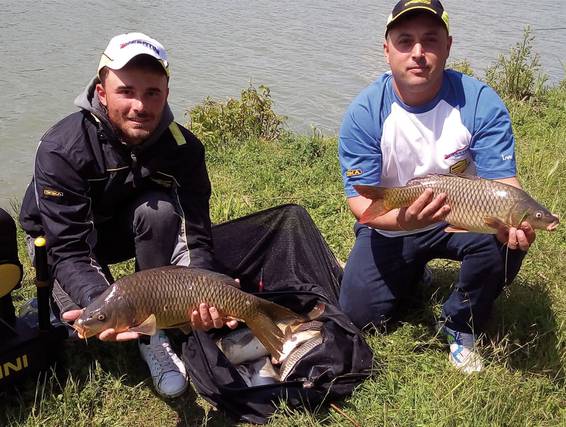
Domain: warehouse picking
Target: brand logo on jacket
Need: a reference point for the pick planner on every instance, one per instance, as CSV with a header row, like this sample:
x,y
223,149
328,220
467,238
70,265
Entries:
x,y
354,172
459,167
49,192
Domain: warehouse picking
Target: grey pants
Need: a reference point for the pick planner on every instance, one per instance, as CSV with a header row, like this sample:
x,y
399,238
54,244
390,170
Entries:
x,y
149,230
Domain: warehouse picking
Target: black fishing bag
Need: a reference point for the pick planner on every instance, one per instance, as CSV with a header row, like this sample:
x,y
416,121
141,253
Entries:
x,y
280,255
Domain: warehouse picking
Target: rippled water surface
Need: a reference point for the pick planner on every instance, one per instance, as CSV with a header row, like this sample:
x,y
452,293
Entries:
x,y
315,55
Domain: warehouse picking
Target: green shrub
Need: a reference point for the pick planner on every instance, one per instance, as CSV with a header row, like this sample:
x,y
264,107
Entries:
x,y
517,76
463,66
219,123
310,149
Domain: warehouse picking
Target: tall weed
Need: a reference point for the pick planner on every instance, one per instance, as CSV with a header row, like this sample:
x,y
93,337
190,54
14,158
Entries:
x,y
517,76
463,66
219,123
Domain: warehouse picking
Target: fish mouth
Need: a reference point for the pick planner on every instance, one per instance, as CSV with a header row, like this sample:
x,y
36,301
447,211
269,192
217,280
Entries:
x,y
552,226
82,332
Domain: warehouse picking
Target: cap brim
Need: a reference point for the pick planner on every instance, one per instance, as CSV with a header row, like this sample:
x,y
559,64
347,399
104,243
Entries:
x,y
105,61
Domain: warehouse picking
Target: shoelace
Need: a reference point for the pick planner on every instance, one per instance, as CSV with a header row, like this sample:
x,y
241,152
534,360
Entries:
x,y
161,353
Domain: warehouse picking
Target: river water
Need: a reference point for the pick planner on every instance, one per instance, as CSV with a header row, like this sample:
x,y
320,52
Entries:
x,y
315,55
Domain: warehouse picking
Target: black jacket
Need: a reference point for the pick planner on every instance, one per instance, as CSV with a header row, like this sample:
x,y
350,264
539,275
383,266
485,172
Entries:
x,y
83,174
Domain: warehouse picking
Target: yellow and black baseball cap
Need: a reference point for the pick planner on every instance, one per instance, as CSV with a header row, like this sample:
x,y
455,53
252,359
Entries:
x,y
405,6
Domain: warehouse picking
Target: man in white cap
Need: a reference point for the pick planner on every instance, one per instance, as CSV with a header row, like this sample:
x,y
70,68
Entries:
x,y
121,179
418,119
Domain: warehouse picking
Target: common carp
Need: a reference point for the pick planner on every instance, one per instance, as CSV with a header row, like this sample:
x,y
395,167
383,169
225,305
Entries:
x,y
476,204
164,297
297,354
241,346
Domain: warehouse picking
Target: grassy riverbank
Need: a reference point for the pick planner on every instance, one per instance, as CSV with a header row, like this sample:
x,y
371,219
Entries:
x,y
524,383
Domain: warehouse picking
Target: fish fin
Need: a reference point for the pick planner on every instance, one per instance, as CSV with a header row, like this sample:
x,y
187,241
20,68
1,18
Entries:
x,y
494,223
454,229
288,345
268,334
147,327
376,209
281,316
371,192
277,324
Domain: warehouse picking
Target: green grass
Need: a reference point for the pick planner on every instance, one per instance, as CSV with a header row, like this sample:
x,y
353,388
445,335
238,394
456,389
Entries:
x,y
107,384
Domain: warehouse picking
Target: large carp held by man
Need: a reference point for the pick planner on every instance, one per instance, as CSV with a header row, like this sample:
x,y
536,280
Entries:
x,y
164,297
476,204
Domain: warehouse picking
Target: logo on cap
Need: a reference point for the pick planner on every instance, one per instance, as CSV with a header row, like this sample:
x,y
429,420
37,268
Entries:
x,y
142,42
418,1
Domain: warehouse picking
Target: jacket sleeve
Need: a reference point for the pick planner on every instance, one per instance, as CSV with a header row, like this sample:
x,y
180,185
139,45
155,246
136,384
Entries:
x,y
65,210
194,197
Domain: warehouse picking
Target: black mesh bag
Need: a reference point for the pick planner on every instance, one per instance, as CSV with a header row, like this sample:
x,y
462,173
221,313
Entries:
x,y
280,255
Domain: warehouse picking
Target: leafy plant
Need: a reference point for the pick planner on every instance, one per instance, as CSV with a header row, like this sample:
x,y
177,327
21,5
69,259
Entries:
x,y
310,149
219,123
463,66
517,76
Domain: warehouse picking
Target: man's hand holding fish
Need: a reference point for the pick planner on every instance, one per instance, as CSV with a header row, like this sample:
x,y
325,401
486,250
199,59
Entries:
x,y
521,237
206,318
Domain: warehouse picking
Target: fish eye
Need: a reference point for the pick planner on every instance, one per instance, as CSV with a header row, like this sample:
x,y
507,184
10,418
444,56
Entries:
x,y
101,317
538,215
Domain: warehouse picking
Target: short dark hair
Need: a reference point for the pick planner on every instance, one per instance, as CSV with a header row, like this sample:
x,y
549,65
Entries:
x,y
142,62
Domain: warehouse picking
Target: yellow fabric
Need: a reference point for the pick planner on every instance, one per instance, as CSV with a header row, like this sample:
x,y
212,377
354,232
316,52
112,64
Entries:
x,y
10,276
177,134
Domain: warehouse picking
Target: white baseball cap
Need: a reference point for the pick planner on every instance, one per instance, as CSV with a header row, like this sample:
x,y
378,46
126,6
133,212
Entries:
x,y
124,47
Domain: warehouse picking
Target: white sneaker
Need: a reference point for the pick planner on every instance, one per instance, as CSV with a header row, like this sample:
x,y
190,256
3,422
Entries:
x,y
167,370
464,354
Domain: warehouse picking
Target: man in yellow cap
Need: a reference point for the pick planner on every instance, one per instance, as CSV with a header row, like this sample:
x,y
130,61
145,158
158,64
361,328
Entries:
x,y
120,179
420,118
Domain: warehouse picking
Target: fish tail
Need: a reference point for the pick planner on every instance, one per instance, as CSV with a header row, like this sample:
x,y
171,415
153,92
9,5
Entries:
x,y
308,322
268,333
370,191
377,207
275,324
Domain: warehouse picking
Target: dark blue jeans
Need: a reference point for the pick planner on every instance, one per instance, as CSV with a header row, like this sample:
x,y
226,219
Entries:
x,y
382,271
